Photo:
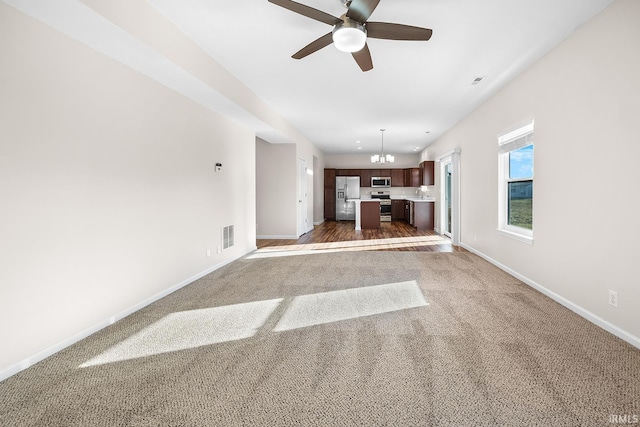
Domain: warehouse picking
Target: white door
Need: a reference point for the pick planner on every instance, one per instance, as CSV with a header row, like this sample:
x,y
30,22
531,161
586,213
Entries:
x,y
302,197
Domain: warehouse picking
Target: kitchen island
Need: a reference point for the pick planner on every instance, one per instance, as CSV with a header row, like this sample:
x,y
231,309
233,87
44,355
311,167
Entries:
x,y
419,212
367,213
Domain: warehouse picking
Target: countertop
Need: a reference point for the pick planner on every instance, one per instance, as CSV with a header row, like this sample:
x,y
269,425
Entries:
x,y
413,199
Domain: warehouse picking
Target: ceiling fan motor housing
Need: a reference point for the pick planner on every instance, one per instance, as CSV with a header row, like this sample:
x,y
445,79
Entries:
x,y
349,35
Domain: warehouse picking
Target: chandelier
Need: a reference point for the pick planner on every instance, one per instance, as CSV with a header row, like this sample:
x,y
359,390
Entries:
x,y
381,158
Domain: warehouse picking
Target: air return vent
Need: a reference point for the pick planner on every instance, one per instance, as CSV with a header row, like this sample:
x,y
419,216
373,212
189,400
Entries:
x,y
227,237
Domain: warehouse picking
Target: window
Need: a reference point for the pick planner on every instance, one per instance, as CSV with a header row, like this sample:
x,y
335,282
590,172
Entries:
x,y
515,174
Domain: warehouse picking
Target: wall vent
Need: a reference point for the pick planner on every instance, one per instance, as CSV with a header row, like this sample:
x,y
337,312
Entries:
x,y
227,237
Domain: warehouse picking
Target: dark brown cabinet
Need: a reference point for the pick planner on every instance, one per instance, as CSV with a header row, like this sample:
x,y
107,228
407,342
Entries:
x,y
329,194
427,169
365,177
412,177
397,210
347,172
397,178
423,214
329,178
370,215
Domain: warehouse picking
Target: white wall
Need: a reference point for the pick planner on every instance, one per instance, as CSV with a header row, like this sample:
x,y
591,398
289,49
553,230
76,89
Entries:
x,y
109,195
276,168
583,97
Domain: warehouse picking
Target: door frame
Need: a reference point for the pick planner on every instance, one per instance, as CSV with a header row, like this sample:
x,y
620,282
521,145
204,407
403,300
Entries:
x,y
454,157
302,196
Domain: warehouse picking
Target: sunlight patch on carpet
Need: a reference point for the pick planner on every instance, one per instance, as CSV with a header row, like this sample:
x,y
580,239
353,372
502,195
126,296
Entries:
x,y
346,246
190,329
334,306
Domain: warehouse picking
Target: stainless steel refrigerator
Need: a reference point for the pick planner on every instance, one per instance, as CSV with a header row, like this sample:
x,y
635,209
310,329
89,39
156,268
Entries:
x,y
347,187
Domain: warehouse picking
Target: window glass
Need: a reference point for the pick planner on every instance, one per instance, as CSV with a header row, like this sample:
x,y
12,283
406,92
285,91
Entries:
x,y
520,192
520,204
521,163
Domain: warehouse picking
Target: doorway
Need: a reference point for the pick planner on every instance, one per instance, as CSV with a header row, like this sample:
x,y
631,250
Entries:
x,y
449,211
446,171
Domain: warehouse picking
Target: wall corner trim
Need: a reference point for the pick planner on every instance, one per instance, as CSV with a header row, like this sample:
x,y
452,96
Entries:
x,y
586,314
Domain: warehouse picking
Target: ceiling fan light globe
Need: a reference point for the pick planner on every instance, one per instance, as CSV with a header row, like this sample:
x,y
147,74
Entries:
x,y
349,36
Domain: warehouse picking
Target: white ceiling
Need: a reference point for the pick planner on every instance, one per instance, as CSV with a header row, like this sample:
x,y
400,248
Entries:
x,y
414,87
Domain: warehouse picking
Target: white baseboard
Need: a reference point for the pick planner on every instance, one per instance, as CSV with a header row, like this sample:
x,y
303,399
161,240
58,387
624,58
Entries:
x,y
32,360
318,222
597,320
277,236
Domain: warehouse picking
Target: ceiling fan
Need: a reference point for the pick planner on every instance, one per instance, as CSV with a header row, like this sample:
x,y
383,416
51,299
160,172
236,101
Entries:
x,y
351,30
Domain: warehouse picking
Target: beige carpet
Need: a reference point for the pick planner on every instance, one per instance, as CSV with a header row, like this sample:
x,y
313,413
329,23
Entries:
x,y
338,339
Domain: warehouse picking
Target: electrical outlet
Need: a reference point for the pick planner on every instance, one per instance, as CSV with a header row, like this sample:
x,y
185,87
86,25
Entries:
x,y
613,298
208,253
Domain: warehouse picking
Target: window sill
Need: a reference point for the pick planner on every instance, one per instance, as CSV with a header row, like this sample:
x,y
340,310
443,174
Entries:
x,y
517,236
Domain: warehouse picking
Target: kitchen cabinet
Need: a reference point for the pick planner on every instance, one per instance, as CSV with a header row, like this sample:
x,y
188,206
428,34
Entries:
x,y
397,210
423,213
427,169
412,177
329,178
329,204
329,194
397,178
365,177
347,172
370,215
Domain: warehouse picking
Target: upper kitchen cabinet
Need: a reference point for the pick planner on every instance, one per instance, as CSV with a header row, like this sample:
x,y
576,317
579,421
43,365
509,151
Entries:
x,y
329,178
365,177
397,178
412,177
427,170
347,172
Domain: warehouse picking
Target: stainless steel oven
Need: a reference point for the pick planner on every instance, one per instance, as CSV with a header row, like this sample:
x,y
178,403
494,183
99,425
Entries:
x,y
385,210
385,204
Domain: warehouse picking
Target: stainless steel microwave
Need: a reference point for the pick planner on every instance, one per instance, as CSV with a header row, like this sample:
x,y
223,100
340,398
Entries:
x,y
380,181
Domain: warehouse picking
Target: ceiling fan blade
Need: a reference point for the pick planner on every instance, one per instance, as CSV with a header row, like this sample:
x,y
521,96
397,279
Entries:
x,y
314,46
363,58
385,30
307,11
361,10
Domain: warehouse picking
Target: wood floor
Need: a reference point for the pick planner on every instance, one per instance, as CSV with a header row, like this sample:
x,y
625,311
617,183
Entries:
x,y
341,235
